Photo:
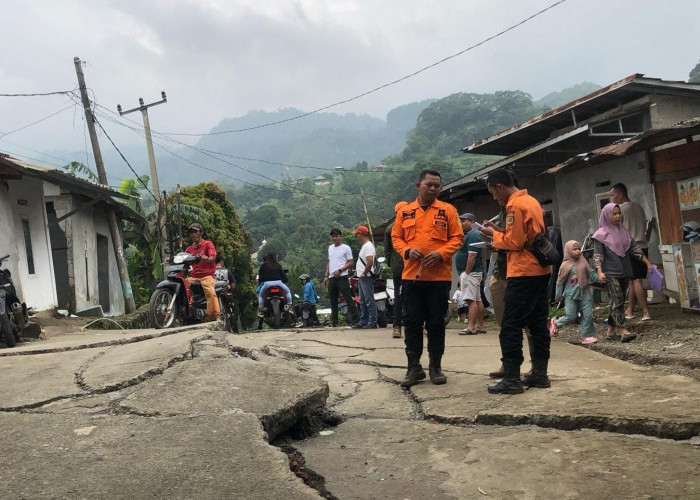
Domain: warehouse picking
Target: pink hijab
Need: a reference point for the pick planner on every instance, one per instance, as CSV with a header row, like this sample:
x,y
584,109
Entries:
x,y
581,265
613,236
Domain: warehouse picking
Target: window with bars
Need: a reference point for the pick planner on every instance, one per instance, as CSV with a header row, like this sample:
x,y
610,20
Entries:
x,y
28,246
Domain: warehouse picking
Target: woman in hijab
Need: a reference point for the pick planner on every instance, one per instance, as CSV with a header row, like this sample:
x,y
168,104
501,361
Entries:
x,y
613,249
573,285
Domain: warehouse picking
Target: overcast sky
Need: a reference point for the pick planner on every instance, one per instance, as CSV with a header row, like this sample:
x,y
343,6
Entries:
x,y
218,58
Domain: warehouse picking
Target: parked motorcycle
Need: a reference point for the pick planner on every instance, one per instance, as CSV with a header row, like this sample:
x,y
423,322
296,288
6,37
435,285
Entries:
x,y
176,299
306,313
276,312
13,313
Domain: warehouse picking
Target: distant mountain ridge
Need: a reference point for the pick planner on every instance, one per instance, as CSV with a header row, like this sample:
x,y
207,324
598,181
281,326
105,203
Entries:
x,y
565,96
307,146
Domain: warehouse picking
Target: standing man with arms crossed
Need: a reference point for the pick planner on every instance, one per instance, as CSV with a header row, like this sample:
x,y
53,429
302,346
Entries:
x,y
426,233
470,269
395,262
635,221
526,300
365,285
336,277
204,269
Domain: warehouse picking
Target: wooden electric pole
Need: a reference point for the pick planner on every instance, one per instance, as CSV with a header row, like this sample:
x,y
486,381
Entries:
x,y
129,304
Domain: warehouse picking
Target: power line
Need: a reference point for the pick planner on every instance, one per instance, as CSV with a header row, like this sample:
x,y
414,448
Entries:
x,y
58,92
124,158
3,134
381,87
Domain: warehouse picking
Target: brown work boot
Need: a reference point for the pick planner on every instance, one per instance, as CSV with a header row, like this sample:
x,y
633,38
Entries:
x,y
498,373
396,333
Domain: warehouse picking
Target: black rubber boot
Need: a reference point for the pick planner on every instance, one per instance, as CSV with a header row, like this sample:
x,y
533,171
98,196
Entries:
x,y
538,376
511,383
415,372
435,371
498,373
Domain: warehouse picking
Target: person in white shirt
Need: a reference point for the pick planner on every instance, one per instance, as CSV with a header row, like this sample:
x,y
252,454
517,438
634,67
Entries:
x,y
363,270
336,277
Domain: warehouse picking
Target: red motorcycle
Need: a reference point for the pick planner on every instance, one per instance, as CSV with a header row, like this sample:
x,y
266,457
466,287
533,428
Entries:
x,y
176,299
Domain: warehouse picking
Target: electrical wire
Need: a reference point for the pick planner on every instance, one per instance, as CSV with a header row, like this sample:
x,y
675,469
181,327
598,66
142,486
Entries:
x,y
58,92
273,181
3,134
380,87
138,177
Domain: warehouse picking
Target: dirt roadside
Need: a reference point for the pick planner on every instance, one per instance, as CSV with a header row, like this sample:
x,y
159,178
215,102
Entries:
x,y
670,342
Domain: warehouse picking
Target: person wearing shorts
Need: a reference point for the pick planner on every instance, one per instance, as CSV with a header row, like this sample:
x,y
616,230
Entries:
x,y
471,275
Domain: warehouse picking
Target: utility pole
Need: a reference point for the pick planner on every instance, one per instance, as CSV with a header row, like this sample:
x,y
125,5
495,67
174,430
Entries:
x,y
369,225
129,305
149,141
151,160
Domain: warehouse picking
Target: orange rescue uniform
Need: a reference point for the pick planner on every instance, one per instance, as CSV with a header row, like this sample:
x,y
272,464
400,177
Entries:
x,y
435,228
524,220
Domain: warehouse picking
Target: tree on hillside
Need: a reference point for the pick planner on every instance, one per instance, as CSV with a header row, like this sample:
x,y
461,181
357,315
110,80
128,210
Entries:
x,y
447,125
694,76
231,240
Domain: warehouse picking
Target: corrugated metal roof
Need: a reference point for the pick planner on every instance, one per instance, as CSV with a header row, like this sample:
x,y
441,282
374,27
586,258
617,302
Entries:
x,y
647,140
539,128
73,184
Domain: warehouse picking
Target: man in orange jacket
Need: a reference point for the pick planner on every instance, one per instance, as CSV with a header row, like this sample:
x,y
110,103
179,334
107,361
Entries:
x,y
526,286
426,233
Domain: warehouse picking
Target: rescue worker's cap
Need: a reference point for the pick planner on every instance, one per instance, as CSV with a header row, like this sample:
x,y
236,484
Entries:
x,y
195,227
361,230
468,216
304,277
399,205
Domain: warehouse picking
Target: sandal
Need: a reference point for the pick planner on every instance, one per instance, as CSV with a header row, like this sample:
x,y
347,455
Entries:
x,y
481,331
467,331
589,340
628,337
614,337
553,327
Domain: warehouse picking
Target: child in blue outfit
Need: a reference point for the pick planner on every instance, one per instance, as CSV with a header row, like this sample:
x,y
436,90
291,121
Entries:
x,y
310,297
573,284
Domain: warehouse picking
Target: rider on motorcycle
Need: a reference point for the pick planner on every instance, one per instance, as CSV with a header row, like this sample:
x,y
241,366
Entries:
x,y
309,296
202,271
224,274
272,274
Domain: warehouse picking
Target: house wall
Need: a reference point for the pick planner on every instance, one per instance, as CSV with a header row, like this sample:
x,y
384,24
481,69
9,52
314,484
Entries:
x,y
578,211
668,110
26,197
8,245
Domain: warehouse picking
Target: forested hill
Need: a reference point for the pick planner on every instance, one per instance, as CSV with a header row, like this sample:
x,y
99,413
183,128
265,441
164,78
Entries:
x,y
324,140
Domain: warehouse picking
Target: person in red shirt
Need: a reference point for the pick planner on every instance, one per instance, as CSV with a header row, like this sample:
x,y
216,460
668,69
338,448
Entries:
x,y
203,270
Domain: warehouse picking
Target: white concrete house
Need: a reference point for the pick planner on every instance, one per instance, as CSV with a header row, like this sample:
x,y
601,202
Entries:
x,y
54,226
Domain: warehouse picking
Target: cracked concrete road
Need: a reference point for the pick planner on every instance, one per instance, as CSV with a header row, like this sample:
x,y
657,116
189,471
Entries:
x,y
191,413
